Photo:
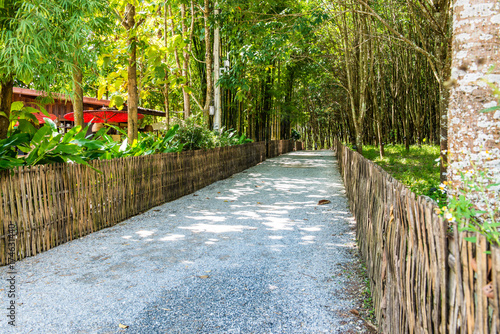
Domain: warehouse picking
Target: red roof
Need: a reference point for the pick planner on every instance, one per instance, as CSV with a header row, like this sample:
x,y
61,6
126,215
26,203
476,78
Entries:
x,y
86,100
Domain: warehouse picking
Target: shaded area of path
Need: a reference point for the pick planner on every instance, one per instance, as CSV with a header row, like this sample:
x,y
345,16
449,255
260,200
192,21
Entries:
x,y
250,254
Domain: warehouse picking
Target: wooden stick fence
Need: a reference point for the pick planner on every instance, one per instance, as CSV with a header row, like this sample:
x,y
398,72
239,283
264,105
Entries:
x,y
49,205
278,147
424,278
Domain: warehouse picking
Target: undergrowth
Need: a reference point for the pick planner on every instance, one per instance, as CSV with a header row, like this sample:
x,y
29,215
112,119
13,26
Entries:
x,y
417,169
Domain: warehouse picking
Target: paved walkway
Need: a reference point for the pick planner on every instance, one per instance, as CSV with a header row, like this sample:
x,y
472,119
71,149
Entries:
x,y
254,253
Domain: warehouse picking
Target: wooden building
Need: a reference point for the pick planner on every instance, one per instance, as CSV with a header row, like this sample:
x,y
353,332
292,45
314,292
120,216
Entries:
x,y
61,104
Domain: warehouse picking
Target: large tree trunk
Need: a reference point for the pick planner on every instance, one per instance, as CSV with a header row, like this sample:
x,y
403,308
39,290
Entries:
x,y
133,98
6,88
472,135
78,95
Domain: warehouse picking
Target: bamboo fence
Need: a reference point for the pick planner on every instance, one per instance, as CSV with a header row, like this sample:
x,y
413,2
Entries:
x,y
278,147
425,278
49,205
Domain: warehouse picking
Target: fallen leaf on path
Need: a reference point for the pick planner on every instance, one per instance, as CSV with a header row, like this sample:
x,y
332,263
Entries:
x,y
196,195
123,326
259,203
225,201
323,201
166,309
355,312
204,276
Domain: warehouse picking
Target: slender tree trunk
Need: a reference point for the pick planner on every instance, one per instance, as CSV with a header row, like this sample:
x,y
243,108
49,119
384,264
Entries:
x,y
133,98
166,85
78,94
185,66
6,91
208,61
217,99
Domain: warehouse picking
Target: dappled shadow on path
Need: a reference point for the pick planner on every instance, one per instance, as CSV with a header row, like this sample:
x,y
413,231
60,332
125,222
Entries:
x,y
283,196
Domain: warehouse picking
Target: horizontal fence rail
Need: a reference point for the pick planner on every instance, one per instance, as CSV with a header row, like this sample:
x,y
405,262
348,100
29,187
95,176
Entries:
x,y
44,206
425,278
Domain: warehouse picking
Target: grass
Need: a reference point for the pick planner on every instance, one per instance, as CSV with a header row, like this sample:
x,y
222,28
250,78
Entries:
x,y
417,169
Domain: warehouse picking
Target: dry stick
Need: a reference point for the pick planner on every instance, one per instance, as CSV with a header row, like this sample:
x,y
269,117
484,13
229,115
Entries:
x,y
4,237
495,273
42,205
481,281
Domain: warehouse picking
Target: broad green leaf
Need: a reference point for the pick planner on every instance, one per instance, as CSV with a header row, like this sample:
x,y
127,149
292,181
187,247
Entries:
x,y
16,106
40,134
51,124
68,136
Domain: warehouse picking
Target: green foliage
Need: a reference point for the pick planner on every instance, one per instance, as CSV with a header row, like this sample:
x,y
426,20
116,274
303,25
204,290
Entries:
x,y
8,152
146,144
194,135
231,138
46,145
416,169
295,135
475,207
40,40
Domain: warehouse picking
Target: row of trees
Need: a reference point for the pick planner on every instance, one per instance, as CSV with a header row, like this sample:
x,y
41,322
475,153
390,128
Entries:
x,y
365,71
383,67
160,55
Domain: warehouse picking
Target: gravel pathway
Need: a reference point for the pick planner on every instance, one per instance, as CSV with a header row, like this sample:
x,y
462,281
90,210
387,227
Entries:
x,y
254,253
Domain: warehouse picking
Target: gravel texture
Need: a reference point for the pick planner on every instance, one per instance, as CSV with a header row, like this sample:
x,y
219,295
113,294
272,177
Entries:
x,y
254,253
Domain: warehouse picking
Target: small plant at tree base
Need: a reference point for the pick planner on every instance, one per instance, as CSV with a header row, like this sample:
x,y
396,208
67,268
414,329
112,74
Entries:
x,y
474,207
438,195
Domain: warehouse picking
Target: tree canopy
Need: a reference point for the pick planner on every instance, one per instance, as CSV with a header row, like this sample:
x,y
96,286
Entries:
x,y
364,71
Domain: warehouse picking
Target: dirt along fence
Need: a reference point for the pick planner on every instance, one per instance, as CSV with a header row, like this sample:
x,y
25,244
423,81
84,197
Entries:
x,y
425,278
44,206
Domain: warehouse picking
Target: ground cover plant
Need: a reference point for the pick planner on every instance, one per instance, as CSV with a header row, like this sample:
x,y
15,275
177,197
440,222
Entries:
x,y
417,169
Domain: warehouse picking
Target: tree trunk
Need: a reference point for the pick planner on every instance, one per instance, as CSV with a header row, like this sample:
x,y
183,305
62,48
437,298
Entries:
x,y
474,136
133,98
6,89
217,99
166,86
185,66
78,94
208,61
